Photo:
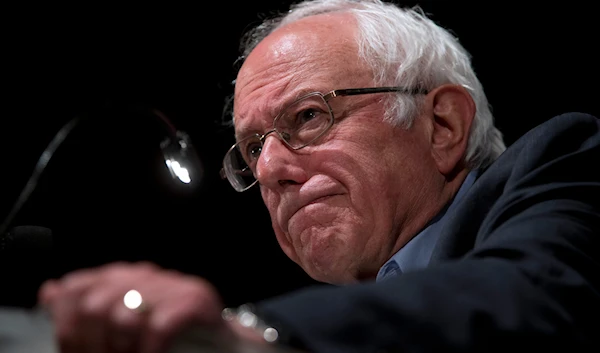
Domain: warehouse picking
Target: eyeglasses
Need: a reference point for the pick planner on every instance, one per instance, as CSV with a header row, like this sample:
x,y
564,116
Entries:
x,y
298,125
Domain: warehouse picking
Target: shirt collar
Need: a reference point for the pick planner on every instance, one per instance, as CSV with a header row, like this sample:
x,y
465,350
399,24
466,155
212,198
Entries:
x,y
417,252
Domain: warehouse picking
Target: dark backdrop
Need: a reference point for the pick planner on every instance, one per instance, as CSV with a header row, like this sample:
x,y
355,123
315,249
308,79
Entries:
x,y
106,193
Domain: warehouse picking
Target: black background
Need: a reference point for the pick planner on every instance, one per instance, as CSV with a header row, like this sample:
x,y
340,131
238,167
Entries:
x,y
106,193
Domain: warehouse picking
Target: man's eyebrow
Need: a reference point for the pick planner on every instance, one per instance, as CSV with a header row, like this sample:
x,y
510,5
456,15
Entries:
x,y
248,129
244,131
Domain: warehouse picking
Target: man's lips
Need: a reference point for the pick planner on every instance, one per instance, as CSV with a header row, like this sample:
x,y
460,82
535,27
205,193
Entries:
x,y
318,188
322,198
295,204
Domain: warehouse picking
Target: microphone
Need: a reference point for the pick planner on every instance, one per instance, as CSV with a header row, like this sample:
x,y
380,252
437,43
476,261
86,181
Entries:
x,y
26,240
26,260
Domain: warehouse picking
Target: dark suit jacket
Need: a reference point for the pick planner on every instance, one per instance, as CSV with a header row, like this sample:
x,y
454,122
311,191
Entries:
x,y
516,267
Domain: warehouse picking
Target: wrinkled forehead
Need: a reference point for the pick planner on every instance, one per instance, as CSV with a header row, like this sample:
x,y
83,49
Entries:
x,y
318,53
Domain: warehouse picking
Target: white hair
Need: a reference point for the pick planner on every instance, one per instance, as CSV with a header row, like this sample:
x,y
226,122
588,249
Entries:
x,y
404,48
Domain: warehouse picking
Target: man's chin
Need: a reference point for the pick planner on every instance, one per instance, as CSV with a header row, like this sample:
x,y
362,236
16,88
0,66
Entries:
x,y
332,272
323,252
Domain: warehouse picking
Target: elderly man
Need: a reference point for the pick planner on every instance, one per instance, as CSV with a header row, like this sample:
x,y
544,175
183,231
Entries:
x,y
374,149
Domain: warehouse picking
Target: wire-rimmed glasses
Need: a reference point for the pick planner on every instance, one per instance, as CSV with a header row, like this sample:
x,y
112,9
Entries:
x,y
298,125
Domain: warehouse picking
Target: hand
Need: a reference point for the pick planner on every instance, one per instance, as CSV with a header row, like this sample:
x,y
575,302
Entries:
x,y
90,316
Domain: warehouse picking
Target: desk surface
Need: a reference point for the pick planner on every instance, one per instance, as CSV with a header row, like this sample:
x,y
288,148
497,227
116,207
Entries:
x,y
26,331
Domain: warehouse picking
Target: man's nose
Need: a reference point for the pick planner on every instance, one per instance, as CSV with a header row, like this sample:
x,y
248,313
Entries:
x,y
278,165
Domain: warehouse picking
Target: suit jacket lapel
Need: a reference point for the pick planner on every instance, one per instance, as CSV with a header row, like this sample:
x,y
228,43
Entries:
x,y
461,225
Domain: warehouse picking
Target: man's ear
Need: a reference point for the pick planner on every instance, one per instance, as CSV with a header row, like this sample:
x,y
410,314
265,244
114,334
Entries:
x,y
453,111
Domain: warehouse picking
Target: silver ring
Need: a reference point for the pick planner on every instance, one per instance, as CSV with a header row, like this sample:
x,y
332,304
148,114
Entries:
x,y
133,300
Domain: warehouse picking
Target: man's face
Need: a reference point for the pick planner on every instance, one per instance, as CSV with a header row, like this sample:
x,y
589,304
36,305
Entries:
x,y
342,206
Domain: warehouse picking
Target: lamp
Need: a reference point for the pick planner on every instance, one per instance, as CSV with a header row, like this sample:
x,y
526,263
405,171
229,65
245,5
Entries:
x,y
180,158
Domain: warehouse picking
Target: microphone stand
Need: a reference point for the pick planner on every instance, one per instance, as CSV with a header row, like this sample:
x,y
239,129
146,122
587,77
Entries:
x,y
37,172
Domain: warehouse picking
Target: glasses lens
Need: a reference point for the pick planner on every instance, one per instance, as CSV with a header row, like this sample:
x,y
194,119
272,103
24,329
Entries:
x,y
300,124
240,162
304,121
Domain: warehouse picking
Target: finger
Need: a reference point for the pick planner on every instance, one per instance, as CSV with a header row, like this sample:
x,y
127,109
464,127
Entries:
x,y
94,319
53,289
109,324
70,316
48,291
75,282
124,324
202,297
61,299
195,304
78,280
125,328
130,324
64,312
164,324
